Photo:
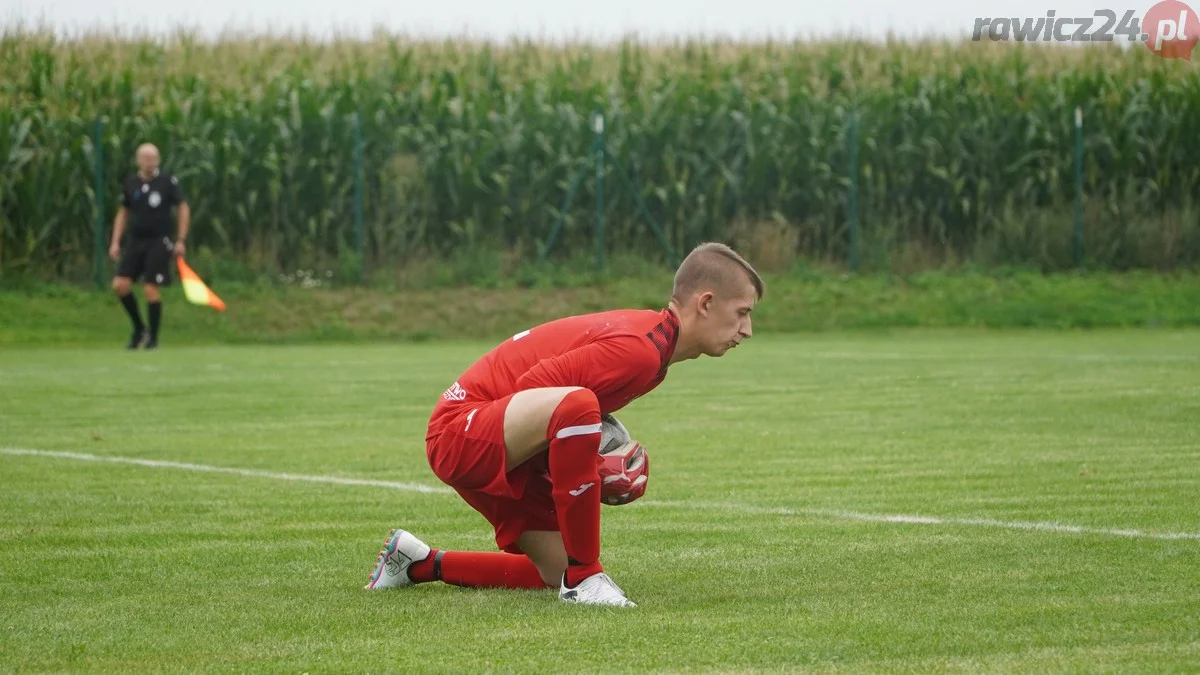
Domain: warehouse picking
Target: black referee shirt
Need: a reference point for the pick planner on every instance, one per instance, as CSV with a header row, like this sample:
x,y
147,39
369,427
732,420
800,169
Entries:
x,y
150,201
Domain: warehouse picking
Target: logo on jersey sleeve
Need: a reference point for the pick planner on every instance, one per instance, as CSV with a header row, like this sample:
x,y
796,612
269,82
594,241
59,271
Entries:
x,y
455,393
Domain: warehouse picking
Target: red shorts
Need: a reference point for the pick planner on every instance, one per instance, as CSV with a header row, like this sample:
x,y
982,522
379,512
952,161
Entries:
x,y
468,455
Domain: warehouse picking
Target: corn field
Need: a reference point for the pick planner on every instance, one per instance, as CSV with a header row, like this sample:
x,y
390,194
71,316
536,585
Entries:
x,y
965,150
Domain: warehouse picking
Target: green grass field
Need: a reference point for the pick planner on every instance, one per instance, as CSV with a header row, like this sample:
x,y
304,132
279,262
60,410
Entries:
x,y
1057,474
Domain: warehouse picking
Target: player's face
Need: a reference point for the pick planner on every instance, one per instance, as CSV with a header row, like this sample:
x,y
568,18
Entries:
x,y
727,320
147,160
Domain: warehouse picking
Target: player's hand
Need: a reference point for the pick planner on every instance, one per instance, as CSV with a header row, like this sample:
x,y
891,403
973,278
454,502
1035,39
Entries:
x,y
114,251
180,249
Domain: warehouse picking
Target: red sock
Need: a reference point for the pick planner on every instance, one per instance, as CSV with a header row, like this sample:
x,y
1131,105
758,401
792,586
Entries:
x,y
477,570
574,434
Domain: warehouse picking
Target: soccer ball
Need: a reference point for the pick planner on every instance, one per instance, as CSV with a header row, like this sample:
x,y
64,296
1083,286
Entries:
x,y
624,464
613,434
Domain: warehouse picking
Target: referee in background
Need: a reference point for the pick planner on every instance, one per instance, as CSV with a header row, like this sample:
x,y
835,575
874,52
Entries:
x,y
147,196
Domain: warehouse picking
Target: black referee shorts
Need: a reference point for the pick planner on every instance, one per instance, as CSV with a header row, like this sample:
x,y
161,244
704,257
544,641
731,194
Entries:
x,y
148,260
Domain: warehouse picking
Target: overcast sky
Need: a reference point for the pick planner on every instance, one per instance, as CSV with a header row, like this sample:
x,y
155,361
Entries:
x,y
556,19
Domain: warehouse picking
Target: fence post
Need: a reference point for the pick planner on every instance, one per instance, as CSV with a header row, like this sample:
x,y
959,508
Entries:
x,y
1078,186
98,227
599,145
558,221
358,196
853,197
641,204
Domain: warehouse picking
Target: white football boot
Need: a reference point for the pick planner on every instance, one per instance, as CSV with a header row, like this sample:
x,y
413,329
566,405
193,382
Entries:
x,y
598,589
401,551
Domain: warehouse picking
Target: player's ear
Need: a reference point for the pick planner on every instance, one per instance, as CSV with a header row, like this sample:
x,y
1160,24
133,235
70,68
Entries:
x,y
704,302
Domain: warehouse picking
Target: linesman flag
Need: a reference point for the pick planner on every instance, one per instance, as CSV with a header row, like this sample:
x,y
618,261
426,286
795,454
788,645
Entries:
x,y
197,293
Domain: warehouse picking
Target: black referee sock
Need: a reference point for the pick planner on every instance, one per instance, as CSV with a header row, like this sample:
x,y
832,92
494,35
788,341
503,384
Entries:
x,y
131,308
155,318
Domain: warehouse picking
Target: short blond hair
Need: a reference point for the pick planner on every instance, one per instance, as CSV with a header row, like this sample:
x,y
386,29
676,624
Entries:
x,y
713,266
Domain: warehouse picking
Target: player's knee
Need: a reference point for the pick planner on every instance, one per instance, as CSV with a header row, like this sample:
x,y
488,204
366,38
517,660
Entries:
x,y
152,294
577,411
535,417
120,286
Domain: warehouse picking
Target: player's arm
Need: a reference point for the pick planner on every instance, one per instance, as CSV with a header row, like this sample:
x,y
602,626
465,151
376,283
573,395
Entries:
x,y
185,222
604,366
185,216
114,247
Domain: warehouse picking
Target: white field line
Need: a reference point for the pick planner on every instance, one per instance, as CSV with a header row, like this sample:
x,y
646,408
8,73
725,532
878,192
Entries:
x,y
253,473
903,519
907,519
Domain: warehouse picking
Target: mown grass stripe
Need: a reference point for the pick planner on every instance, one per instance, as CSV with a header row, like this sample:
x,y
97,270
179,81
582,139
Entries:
x,y
903,519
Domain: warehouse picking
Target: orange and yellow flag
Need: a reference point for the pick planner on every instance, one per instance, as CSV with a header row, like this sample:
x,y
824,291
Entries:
x,y
196,291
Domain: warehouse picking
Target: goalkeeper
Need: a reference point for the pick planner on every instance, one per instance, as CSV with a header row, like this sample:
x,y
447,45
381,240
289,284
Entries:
x,y
518,435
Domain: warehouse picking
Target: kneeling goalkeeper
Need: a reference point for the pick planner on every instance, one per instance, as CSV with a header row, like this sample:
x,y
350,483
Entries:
x,y
518,435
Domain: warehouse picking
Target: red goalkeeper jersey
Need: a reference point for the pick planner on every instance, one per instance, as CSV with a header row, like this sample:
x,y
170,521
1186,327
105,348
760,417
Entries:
x,y
618,355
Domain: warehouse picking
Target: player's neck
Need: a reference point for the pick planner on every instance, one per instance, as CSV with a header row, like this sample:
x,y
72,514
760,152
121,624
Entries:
x,y
684,350
148,176
682,355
